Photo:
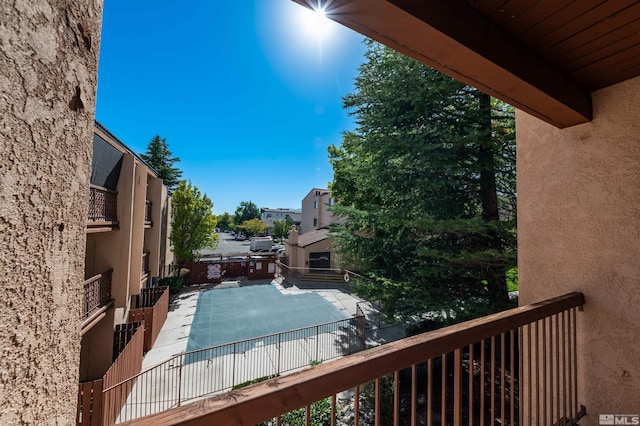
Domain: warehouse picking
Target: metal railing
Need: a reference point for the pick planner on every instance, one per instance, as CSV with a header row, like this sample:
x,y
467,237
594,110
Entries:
x,y
203,372
97,293
517,367
102,204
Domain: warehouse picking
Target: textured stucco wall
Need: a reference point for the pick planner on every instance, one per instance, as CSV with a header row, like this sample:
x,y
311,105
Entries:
x,y
579,230
48,61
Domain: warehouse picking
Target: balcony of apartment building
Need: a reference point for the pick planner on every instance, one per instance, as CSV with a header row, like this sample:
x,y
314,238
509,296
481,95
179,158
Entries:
x,y
148,222
96,298
144,265
103,209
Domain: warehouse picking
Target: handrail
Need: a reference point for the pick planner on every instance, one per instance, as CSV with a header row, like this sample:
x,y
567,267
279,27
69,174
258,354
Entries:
x,y
102,188
97,277
274,397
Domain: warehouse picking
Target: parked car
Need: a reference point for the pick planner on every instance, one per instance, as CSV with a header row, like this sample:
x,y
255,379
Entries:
x,y
240,237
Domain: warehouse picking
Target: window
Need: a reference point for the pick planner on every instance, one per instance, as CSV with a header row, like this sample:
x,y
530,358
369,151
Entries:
x,y
315,221
315,204
330,201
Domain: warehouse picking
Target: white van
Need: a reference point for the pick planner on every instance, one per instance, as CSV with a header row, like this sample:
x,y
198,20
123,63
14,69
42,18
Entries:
x,y
261,244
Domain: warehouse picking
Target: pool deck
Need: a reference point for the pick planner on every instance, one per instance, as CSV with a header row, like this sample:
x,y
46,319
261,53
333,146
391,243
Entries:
x,y
174,336
163,390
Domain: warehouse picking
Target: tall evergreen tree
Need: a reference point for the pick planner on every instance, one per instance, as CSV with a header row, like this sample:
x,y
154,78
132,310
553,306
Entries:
x,y
160,158
420,182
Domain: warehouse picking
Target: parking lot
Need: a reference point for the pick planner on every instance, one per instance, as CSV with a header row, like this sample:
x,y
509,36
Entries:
x,y
227,245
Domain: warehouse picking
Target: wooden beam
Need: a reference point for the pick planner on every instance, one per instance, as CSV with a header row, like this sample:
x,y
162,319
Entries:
x,y
458,40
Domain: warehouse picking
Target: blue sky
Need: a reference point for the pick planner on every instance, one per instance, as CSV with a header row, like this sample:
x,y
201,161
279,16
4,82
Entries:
x,y
246,94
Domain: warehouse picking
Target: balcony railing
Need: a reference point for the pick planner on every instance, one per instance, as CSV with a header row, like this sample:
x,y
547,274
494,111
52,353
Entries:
x,y
147,213
102,204
194,374
97,293
144,265
517,367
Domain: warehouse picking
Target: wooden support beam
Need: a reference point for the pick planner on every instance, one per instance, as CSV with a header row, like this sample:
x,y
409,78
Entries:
x,y
458,40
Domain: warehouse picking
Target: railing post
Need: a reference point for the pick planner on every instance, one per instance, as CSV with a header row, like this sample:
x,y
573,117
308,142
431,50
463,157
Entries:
x,y
457,387
180,379
316,343
233,368
279,350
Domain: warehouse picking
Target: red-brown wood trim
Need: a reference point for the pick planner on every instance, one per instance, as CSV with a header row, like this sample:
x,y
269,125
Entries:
x,y
458,40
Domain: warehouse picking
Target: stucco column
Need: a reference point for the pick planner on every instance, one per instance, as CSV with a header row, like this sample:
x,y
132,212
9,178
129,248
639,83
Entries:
x,y
48,64
579,230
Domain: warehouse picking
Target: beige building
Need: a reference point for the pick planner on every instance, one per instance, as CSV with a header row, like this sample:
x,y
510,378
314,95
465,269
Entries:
x,y
309,248
315,210
127,247
571,68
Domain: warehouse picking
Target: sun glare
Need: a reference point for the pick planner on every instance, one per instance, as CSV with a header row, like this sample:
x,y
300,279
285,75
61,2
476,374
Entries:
x,y
314,23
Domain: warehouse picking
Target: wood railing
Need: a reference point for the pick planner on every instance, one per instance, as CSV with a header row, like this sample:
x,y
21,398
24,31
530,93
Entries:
x,y
97,293
93,408
152,308
102,204
513,367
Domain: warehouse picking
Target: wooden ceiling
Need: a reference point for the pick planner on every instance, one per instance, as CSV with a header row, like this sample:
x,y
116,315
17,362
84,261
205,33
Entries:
x,y
542,56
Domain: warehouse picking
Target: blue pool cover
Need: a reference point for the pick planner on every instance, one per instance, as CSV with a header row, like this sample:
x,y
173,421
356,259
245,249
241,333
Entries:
x,y
232,314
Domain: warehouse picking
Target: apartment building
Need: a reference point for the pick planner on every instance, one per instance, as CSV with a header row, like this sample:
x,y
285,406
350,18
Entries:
x,y
315,210
127,247
269,216
309,248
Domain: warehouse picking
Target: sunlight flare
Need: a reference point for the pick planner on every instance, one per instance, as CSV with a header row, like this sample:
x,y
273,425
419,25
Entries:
x,y
314,23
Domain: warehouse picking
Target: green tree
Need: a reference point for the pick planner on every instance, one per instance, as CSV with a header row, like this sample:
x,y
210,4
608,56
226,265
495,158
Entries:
x,y
252,227
281,228
225,221
246,210
424,183
193,223
159,157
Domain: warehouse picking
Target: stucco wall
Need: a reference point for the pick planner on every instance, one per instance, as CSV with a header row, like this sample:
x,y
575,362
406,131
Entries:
x,y
579,230
48,61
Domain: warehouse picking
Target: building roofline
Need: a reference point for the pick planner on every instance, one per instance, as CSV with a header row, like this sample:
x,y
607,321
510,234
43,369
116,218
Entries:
x,y
115,139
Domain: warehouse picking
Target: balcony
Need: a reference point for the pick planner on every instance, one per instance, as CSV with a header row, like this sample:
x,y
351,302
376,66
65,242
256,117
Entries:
x,y
144,265
517,367
148,223
97,296
102,209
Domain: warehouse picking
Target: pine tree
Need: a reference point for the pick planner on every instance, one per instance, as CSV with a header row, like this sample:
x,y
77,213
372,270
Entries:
x,y
159,158
419,181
